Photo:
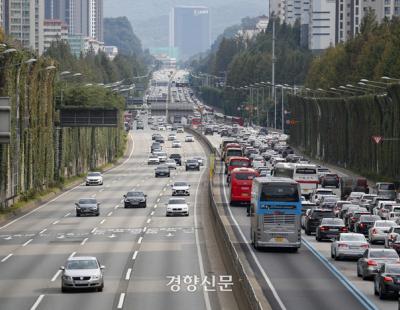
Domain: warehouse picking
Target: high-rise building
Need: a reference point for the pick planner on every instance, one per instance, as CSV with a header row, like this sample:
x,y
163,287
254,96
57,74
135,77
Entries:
x,y
351,12
189,31
54,29
23,20
83,17
277,8
322,24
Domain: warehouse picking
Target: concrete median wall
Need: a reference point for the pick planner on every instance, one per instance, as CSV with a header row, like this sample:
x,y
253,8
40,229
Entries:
x,y
226,243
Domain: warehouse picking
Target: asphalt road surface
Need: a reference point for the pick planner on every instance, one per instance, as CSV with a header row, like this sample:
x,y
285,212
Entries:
x,y
142,249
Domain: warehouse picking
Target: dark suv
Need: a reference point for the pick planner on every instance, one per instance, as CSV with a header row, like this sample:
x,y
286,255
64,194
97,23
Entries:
x,y
177,158
314,218
330,179
365,222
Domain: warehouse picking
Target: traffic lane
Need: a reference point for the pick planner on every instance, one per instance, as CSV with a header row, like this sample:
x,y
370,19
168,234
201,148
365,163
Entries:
x,y
349,269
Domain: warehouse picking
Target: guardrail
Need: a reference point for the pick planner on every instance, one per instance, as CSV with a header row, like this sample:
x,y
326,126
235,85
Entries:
x,y
227,243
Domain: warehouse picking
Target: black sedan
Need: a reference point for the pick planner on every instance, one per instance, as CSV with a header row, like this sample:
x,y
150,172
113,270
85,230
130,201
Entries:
x,y
387,281
135,199
364,223
162,171
330,228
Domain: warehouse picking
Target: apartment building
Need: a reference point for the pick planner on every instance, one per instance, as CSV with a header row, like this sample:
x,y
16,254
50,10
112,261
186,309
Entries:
x,y
278,8
54,29
24,20
322,24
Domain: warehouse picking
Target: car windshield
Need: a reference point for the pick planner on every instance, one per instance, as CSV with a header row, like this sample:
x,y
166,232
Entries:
x,y
180,184
332,221
192,161
385,224
329,192
82,264
134,194
393,269
94,174
369,218
352,237
306,171
319,214
87,201
177,202
383,254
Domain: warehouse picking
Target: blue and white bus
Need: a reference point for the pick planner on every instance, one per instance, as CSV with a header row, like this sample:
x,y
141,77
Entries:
x,y
276,213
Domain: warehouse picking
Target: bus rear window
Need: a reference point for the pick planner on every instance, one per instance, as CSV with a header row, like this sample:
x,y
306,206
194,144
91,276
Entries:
x,y
279,192
306,171
234,153
284,173
240,163
244,176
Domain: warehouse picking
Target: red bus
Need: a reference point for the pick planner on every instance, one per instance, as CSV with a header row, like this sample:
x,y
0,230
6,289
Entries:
x,y
240,186
237,162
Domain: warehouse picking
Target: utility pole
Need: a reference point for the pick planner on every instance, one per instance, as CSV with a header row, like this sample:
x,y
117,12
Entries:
x,y
273,65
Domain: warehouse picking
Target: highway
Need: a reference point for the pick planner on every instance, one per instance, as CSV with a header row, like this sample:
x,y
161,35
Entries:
x,y
141,248
301,280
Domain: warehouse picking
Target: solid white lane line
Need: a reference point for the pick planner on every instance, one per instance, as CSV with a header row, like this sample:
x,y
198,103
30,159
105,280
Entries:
x,y
152,213
197,238
42,231
128,274
134,255
72,255
110,213
56,275
26,243
148,221
121,301
56,222
37,302
102,221
140,240
251,250
84,241
7,257
68,214
144,229
93,230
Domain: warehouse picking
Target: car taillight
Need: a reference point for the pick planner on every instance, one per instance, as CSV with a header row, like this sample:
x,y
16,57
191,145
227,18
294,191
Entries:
x,y
365,246
362,225
374,231
342,245
387,279
344,229
353,219
323,228
371,262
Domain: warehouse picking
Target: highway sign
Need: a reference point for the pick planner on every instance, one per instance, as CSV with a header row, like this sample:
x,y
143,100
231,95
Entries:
x,y
377,139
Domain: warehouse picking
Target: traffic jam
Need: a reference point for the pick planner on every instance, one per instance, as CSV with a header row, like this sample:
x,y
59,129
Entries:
x,y
359,220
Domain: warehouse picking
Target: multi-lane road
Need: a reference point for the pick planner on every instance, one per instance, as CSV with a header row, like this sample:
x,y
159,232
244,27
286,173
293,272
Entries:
x,y
309,279
142,249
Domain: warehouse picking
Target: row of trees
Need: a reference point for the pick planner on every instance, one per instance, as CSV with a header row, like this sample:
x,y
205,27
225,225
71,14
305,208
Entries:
x,y
371,54
245,61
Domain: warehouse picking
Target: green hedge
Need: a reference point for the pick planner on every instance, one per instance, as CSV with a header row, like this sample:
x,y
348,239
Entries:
x,y
339,131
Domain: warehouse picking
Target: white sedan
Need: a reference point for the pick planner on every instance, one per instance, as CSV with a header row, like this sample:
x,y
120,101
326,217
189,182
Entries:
x,y
176,144
171,163
153,160
189,138
350,245
177,206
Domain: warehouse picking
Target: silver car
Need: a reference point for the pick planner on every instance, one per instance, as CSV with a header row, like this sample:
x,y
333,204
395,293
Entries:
x,y
378,232
349,245
177,206
82,272
372,259
87,206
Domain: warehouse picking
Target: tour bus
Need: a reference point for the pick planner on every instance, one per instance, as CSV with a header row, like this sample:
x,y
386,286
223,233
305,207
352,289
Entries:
x,y
306,175
240,185
283,170
276,213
